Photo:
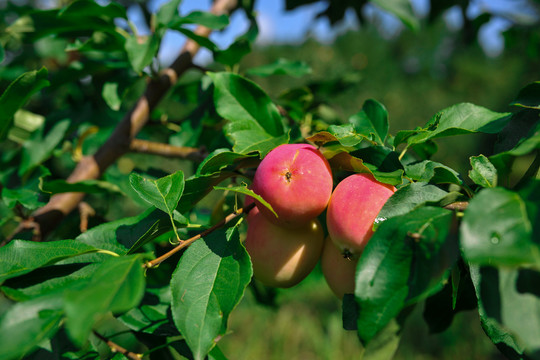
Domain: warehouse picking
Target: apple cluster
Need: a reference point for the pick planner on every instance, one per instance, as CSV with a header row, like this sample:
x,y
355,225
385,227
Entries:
x,y
296,180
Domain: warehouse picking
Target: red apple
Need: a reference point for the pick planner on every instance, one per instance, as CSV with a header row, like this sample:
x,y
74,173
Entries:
x,y
297,181
282,257
352,210
338,271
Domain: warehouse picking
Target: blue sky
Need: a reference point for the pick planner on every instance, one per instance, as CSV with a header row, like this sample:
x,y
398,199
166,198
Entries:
x,y
278,26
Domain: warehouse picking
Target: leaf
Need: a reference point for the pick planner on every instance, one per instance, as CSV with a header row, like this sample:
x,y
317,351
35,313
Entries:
x,y
402,9
163,193
222,159
281,67
529,96
404,262
208,283
38,148
240,47
198,186
167,12
17,94
382,162
496,230
110,95
458,119
117,286
432,172
20,256
483,172
254,121
244,190
24,196
209,20
410,197
371,122
2,53
508,314
201,40
26,324
141,51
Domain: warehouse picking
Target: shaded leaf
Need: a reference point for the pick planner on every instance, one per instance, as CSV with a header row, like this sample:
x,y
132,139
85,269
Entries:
x,y
281,67
207,284
496,230
20,256
116,286
110,95
371,122
24,196
141,51
434,172
221,159
529,96
402,9
39,148
404,262
209,20
17,94
26,324
244,190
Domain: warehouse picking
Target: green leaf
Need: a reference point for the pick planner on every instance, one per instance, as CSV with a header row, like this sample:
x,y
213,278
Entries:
x,y
529,96
509,310
20,256
207,284
254,121
2,53
24,196
458,119
434,172
404,262
110,95
209,20
402,9
39,148
17,94
198,186
410,197
163,193
244,190
167,12
201,40
382,162
26,324
483,172
222,159
85,186
371,122
141,51
497,230
240,47
281,67
117,286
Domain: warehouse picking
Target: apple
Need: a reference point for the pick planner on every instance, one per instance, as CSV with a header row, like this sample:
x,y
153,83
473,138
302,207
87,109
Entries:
x,y
352,210
297,181
338,270
282,257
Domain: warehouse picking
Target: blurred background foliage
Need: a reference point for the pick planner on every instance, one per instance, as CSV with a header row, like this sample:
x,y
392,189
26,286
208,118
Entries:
x,y
413,73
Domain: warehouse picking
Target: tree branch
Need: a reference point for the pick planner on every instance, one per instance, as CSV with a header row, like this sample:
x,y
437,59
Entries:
x,y
92,167
191,240
156,148
117,348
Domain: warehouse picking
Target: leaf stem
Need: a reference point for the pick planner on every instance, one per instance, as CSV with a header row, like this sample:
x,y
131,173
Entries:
x,y
117,348
403,152
186,243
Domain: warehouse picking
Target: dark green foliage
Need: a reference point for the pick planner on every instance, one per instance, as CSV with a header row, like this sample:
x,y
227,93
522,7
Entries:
x,y
451,238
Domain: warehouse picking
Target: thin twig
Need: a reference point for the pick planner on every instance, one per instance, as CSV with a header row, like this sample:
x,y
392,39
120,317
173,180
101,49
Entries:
x,y
85,211
189,241
156,148
117,348
91,167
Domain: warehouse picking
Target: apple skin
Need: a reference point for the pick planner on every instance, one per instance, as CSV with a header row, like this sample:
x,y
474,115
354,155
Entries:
x,y
297,181
352,210
338,271
282,257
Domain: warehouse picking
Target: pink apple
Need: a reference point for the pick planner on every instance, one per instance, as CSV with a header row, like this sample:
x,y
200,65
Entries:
x,y
352,210
297,181
339,272
282,257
